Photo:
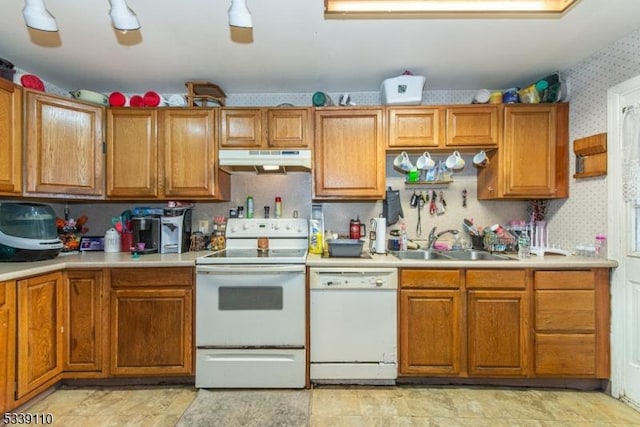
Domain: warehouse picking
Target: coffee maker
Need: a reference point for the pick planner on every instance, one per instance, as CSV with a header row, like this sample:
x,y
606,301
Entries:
x,y
146,230
175,230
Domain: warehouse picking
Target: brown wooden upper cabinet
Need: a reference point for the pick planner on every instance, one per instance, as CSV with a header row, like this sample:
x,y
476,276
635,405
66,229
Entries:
x,y
473,126
132,152
415,127
64,147
163,153
265,128
443,127
349,157
532,161
10,138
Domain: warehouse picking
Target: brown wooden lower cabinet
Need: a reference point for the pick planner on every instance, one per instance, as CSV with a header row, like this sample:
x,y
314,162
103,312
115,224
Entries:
x,y
572,323
498,335
431,333
39,332
7,343
504,323
151,321
86,324
431,323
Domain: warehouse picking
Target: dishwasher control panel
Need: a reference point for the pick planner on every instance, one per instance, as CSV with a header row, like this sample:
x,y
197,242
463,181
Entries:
x,y
353,278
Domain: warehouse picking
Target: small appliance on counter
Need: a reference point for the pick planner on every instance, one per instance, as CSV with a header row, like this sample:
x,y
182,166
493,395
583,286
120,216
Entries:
x,y
146,233
176,229
28,232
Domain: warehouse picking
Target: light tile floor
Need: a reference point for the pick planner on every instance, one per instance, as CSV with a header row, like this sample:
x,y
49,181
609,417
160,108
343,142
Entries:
x,y
355,406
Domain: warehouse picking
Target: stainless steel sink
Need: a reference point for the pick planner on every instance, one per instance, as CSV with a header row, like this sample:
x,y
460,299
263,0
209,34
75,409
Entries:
x,y
421,254
472,255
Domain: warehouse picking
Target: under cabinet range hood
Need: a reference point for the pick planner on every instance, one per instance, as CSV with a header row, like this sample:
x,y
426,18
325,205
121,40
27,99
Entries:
x,y
265,161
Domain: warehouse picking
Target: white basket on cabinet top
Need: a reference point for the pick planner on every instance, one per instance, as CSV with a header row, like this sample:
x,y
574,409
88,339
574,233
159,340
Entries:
x,y
403,90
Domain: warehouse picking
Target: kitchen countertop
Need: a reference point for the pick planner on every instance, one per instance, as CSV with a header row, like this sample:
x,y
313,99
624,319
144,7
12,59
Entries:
x,y
17,270
547,261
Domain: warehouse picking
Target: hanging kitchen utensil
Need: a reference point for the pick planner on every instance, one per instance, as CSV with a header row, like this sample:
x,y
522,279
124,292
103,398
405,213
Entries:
x,y
441,204
432,204
413,202
392,207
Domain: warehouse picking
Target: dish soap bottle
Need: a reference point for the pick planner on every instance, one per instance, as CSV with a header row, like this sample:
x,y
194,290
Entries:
x,y
404,239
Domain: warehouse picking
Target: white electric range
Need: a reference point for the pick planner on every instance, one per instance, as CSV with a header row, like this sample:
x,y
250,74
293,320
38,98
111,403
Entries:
x,y
250,306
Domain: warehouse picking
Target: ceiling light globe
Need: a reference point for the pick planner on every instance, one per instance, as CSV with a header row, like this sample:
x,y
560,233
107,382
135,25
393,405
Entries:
x,y
37,16
239,15
122,17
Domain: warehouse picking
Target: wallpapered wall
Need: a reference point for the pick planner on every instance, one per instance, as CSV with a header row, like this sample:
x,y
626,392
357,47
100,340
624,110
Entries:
x,y
571,221
578,218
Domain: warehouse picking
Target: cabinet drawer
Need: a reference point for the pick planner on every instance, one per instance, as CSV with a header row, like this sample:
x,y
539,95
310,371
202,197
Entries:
x,y
565,355
565,310
439,279
564,279
496,279
127,277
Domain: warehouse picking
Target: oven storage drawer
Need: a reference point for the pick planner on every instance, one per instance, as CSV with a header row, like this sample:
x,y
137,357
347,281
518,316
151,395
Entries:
x,y
250,368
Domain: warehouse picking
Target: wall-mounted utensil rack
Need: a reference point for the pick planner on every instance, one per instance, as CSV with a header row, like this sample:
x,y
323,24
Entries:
x,y
428,185
591,156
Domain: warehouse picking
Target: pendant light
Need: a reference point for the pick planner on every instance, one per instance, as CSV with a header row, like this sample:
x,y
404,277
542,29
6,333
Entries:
x,y
38,17
239,15
122,16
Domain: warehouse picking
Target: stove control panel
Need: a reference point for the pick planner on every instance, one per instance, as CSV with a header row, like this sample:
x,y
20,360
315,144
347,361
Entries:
x,y
267,227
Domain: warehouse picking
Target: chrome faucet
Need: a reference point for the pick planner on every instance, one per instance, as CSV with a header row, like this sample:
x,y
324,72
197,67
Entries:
x,y
433,237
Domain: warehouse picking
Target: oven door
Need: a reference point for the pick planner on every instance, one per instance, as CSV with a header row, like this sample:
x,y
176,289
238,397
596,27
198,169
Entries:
x,y
239,306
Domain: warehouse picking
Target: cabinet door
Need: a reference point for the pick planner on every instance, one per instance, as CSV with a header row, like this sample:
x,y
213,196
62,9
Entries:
x,y
40,317
430,332
7,343
86,326
151,331
498,333
571,315
10,138
64,140
132,153
187,139
289,127
533,159
473,125
349,157
415,127
151,321
241,128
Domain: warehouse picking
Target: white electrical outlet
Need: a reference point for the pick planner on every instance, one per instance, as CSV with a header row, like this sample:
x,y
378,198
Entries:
x,y
203,226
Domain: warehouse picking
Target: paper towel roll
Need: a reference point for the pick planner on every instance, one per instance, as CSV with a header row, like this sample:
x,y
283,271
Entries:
x,y
379,227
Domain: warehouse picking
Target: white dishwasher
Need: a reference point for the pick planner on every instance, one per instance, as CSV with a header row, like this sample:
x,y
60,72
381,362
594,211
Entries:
x,y
353,325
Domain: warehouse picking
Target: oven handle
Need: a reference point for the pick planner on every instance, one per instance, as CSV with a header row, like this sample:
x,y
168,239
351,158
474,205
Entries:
x,y
250,269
